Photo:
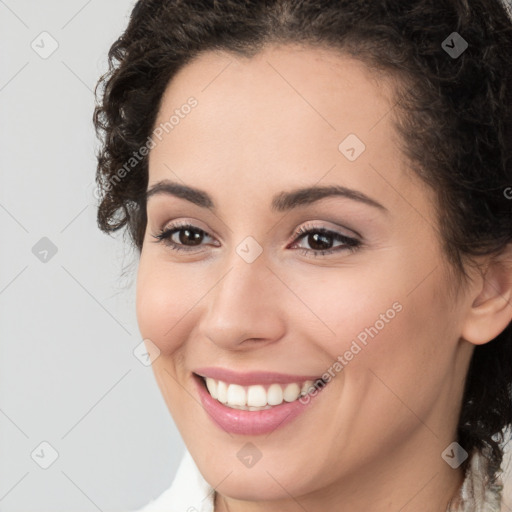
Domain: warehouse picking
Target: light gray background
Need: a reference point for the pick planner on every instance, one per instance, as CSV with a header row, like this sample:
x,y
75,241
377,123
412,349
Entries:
x,y
68,328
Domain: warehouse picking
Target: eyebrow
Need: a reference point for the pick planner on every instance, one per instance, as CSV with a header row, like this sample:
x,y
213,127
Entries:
x,y
281,202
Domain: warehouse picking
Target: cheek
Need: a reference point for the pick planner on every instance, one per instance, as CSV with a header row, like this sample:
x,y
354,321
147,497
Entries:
x,y
164,309
394,328
344,306
163,298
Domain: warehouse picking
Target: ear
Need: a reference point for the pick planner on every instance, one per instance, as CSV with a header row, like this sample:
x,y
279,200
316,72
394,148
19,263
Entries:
x,y
490,306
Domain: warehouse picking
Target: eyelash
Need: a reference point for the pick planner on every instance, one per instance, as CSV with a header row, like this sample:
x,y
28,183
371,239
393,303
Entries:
x,y
350,244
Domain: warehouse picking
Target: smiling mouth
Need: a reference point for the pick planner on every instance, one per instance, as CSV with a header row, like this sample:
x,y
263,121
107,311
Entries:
x,y
258,397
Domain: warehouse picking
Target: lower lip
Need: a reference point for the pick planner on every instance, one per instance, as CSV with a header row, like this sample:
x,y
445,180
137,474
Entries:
x,y
237,421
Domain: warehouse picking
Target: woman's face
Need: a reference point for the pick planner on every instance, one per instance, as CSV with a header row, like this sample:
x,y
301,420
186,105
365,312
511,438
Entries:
x,y
368,304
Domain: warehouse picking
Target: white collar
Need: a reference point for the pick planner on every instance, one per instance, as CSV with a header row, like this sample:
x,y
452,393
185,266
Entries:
x,y
189,491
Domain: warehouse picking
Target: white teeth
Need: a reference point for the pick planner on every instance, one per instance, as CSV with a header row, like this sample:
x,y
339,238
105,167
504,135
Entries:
x,y
257,397
275,394
212,386
291,392
237,395
222,392
306,387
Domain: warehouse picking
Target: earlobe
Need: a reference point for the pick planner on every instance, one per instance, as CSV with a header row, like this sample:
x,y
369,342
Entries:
x,y
491,309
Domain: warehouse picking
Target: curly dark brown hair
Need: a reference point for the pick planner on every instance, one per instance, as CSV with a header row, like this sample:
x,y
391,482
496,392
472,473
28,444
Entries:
x,y
453,114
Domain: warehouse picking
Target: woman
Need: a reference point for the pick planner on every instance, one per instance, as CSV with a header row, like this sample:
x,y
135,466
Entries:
x,y
320,196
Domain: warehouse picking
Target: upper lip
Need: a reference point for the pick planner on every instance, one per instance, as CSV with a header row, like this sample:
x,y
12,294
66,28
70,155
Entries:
x,y
251,378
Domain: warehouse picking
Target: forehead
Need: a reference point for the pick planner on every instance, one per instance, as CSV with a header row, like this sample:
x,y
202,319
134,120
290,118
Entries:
x,y
308,90
279,119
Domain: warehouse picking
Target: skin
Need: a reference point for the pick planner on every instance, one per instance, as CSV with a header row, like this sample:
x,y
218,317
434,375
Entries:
x,y
373,438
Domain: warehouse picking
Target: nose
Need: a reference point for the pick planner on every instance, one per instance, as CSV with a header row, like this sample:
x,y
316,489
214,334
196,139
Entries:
x,y
245,308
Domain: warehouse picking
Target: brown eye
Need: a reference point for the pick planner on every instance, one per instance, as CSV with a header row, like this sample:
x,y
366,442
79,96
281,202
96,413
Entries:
x,y
321,241
188,237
